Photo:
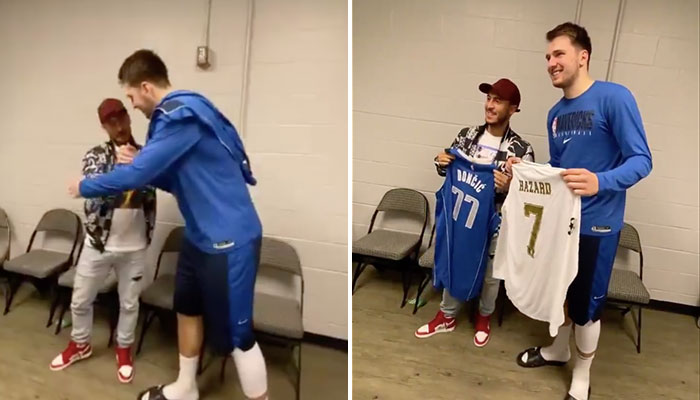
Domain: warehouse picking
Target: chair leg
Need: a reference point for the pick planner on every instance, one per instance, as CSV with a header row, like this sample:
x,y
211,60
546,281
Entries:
x,y
59,308
639,331
200,362
113,304
54,306
360,267
148,317
502,306
406,278
65,305
421,287
222,373
298,383
6,293
14,284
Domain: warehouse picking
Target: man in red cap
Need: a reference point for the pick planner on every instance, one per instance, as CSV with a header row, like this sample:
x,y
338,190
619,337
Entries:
x,y
492,142
119,228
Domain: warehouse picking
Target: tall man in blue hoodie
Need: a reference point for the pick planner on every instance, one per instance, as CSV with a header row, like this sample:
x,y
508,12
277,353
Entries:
x,y
596,135
195,153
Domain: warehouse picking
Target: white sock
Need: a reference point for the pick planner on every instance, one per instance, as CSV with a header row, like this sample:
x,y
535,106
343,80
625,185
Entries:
x,y
580,379
586,342
185,387
251,369
559,349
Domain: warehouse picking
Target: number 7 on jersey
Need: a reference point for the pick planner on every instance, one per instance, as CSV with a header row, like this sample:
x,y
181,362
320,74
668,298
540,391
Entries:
x,y
463,197
533,209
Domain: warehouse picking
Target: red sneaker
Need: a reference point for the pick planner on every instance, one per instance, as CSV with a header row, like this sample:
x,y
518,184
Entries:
x,y
483,330
73,353
125,365
441,323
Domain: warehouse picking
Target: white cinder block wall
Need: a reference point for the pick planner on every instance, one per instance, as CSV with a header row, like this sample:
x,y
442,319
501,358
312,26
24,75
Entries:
x,y
297,133
417,65
60,59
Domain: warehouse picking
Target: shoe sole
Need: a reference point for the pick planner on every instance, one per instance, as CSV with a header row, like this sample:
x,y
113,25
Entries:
x,y
73,361
441,330
123,380
482,344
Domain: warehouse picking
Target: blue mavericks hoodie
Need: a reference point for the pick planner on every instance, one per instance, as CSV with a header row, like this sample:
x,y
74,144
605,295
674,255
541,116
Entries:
x,y
601,130
195,153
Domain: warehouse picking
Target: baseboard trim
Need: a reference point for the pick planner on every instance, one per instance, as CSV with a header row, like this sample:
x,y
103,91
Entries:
x,y
674,307
326,341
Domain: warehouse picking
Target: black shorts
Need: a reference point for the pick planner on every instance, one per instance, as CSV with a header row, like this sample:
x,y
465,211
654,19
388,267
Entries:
x,y
587,293
220,288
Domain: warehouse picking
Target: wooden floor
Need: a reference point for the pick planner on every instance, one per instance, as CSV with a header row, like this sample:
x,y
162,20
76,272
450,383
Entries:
x,y
390,363
27,348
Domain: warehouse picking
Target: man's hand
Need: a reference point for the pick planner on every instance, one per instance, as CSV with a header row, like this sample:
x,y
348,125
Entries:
x,y
581,181
509,164
444,159
126,154
74,189
501,180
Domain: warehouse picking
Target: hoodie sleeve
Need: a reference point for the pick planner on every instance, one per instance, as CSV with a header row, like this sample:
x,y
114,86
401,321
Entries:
x,y
164,148
626,125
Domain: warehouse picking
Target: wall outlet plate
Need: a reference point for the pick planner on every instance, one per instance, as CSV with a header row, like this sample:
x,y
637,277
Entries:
x,y
203,57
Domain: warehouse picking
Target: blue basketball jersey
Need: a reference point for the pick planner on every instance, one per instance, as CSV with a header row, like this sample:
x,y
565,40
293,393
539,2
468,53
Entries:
x,y
466,219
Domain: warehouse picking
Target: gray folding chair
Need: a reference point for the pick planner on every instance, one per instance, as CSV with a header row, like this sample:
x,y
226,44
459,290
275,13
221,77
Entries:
x,y
5,239
279,300
40,266
627,287
396,250
157,298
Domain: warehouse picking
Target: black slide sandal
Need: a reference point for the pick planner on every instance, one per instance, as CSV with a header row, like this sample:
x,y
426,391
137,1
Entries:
x,y
154,393
535,359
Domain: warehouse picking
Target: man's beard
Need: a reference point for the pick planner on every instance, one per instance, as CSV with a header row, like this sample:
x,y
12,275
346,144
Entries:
x,y
500,120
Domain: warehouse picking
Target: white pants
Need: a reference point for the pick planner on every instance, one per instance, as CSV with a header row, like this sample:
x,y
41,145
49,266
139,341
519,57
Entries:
x,y
91,273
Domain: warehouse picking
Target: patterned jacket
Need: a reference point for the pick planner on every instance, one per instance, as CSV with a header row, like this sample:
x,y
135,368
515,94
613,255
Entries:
x,y
512,145
98,211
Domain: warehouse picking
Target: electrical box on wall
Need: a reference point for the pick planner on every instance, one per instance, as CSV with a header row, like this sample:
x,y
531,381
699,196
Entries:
x,y
203,57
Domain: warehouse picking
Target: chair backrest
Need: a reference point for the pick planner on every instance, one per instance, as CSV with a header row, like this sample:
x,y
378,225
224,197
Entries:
x,y
407,200
82,234
432,235
5,236
4,221
172,244
60,220
629,238
174,240
281,255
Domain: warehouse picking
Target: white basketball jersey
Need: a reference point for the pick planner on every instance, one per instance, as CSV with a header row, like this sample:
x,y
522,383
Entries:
x,y
537,249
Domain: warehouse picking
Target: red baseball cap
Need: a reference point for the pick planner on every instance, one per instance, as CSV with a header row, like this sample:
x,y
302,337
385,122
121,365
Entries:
x,y
505,89
108,108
